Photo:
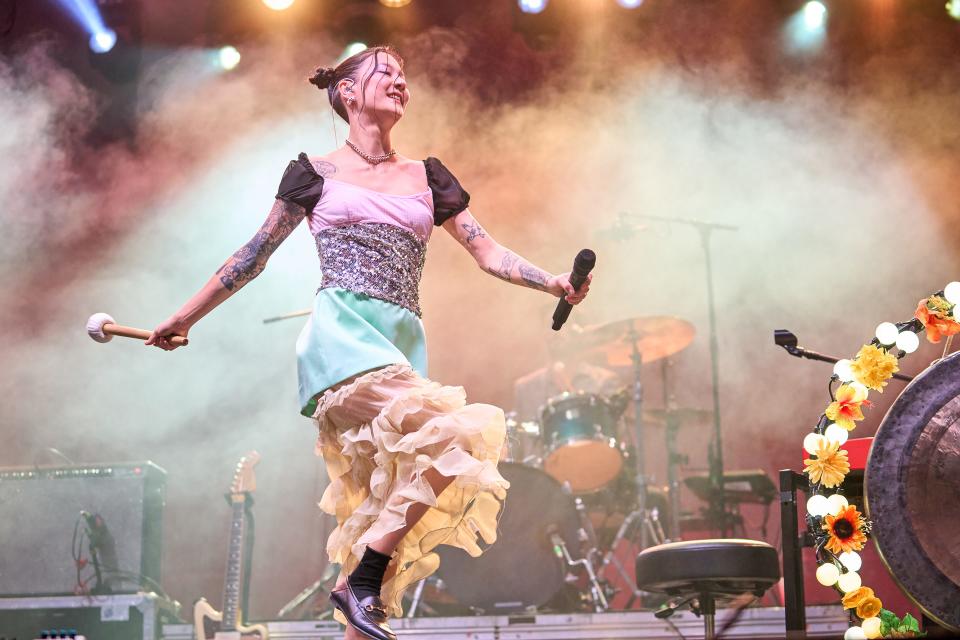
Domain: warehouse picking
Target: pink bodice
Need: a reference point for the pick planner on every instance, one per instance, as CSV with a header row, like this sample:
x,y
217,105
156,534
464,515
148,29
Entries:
x,y
343,203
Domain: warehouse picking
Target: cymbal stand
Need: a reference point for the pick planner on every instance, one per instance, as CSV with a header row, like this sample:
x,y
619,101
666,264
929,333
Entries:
x,y
674,459
651,527
639,455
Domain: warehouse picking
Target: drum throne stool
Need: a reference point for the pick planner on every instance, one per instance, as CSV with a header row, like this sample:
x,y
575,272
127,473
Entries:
x,y
707,571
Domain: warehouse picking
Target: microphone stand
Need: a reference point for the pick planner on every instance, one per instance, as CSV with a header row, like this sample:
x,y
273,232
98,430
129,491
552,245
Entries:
x,y
715,451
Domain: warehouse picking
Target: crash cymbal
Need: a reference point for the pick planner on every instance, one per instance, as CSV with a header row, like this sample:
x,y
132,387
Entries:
x,y
611,344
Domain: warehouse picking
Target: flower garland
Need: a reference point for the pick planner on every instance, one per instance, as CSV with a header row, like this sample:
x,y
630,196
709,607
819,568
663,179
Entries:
x,y
839,530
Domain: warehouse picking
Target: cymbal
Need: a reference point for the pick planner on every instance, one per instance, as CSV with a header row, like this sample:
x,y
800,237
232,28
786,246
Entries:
x,y
656,337
681,417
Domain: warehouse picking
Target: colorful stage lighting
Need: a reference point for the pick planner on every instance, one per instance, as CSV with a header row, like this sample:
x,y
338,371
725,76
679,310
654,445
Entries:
x,y
395,4
532,6
953,8
228,58
629,4
103,41
278,5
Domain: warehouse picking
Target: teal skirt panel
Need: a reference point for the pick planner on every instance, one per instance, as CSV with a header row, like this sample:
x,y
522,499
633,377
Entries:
x,y
349,333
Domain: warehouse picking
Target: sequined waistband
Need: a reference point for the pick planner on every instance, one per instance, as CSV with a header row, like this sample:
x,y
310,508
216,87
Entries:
x,y
381,260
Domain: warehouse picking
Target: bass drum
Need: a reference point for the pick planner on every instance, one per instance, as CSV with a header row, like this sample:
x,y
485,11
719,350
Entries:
x,y
521,570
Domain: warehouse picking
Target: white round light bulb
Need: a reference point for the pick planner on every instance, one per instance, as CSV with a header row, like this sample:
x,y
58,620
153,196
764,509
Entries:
x,y
812,442
862,390
887,333
818,505
838,503
836,433
908,341
849,581
952,292
828,574
854,633
851,560
871,627
842,370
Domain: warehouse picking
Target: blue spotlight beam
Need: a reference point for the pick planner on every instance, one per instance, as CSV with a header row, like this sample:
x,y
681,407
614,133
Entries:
x,y
86,14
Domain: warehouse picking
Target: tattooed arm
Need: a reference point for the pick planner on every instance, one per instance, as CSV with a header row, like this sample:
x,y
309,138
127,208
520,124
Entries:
x,y
239,269
499,261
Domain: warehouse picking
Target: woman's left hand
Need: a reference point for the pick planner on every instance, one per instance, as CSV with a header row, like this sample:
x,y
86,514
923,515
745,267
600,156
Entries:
x,y
559,285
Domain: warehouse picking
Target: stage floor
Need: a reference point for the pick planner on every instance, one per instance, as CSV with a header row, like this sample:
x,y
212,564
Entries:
x,y
759,622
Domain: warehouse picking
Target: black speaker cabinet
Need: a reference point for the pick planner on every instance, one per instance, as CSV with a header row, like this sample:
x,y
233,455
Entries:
x,y
46,511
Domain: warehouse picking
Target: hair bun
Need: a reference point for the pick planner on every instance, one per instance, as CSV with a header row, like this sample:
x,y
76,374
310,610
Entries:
x,y
323,77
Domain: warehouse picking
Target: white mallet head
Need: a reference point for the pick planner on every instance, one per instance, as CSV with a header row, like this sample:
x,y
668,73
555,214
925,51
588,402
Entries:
x,y
95,327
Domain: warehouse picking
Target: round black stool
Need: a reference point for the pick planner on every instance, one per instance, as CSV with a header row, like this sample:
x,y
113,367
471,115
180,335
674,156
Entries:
x,y
708,570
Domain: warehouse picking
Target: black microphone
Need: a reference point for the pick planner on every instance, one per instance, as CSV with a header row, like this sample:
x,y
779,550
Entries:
x,y
582,266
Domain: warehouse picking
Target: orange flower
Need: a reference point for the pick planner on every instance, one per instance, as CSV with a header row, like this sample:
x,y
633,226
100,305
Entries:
x,y
846,408
934,313
853,599
830,465
869,608
873,367
846,531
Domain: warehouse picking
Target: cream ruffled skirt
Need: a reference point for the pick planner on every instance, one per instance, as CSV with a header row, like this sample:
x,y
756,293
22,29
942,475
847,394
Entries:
x,y
377,435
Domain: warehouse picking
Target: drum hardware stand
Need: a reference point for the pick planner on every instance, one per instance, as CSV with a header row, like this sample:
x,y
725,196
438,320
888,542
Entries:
x,y
313,592
417,601
652,528
597,596
674,459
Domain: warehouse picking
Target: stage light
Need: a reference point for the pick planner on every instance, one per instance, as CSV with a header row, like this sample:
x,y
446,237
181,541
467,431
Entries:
x,y
278,5
953,9
814,15
828,574
818,505
887,333
629,4
103,41
228,57
851,560
395,4
352,49
532,6
836,433
908,341
842,370
849,581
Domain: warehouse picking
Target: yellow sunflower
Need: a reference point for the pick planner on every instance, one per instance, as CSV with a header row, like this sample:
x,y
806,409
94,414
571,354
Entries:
x,y
830,465
873,367
846,531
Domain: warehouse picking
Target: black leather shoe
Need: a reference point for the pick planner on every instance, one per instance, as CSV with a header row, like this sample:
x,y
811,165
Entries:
x,y
368,616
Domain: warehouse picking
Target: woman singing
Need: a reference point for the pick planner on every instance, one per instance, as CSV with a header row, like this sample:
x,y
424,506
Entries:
x,y
411,464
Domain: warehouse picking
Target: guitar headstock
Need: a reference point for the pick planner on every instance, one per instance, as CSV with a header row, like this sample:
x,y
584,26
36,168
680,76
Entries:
x,y
243,479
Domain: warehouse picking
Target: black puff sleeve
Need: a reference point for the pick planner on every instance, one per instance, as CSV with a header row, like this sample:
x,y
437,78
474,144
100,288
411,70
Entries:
x,y
449,198
301,184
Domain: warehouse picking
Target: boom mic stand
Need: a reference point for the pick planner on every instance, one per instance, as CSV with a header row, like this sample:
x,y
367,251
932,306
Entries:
x,y
718,506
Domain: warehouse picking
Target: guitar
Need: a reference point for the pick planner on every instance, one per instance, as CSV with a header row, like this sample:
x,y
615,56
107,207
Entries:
x,y
231,625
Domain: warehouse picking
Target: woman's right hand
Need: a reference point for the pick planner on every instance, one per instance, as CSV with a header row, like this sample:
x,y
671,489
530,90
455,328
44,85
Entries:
x,y
173,326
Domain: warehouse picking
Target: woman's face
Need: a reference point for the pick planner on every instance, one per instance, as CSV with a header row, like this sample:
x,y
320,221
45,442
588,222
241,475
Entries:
x,y
381,88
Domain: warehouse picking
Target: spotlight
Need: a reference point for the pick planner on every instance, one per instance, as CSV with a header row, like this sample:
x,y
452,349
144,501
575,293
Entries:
x,y
814,15
629,4
228,57
395,4
103,41
278,5
352,49
532,6
953,8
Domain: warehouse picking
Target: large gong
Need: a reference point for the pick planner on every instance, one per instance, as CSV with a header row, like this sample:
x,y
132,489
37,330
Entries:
x,y
913,491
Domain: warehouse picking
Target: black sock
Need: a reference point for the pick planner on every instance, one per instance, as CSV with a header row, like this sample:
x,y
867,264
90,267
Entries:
x,y
368,576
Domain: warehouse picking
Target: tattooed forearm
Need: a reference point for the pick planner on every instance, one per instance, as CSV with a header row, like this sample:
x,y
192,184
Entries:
x,y
505,269
474,231
250,259
532,276
324,168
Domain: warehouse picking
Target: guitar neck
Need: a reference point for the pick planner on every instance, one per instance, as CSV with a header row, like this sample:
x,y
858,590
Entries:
x,y
233,579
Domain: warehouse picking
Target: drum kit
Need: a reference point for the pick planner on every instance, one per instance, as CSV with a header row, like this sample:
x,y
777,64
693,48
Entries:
x,y
579,492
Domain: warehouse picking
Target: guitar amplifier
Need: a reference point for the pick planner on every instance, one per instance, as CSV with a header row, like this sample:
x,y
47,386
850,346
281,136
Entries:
x,y
49,514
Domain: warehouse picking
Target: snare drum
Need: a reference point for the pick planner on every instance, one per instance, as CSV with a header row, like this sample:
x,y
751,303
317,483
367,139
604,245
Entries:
x,y
579,433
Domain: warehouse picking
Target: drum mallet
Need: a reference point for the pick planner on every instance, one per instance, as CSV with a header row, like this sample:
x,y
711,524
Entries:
x,y
101,327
